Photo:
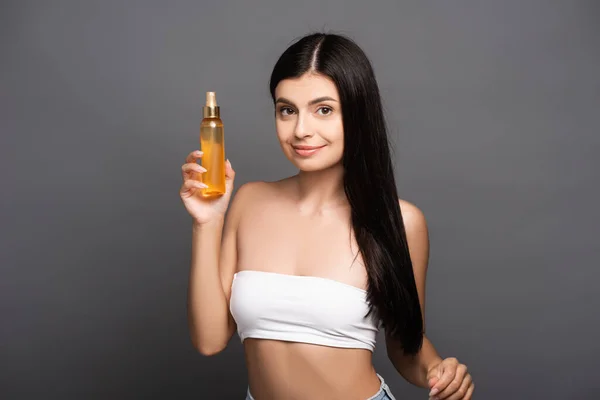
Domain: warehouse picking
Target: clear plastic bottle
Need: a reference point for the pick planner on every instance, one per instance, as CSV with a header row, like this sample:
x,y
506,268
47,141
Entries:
x,y
212,144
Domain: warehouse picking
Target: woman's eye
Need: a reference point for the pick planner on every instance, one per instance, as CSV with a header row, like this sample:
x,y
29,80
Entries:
x,y
285,111
325,110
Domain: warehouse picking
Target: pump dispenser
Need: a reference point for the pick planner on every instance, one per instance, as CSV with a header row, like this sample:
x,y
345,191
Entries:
x,y
212,144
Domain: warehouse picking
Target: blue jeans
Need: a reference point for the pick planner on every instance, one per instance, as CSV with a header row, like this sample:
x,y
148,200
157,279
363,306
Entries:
x,y
384,392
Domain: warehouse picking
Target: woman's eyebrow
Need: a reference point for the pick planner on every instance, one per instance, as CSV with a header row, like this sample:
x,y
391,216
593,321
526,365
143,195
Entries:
x,y
310,103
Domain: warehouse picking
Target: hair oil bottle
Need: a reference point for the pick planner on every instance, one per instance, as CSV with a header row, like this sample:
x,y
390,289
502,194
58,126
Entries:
x,y
212,144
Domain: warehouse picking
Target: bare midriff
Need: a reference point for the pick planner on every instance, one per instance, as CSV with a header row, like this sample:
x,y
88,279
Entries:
x,y
279,370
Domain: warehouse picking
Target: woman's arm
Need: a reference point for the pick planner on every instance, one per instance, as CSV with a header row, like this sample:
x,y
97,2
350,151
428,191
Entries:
x,y
447,379
214,262
414,368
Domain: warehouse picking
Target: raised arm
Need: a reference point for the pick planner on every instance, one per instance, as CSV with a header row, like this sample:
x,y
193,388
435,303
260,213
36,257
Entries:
x,y
213,260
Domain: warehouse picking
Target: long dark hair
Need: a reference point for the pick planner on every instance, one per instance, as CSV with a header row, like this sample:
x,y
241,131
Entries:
x,y
369,181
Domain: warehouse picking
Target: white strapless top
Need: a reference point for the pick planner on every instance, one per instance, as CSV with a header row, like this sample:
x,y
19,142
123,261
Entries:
x,y
307,309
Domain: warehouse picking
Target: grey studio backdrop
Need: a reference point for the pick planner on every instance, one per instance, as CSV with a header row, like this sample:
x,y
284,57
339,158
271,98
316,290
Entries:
x,y
493,112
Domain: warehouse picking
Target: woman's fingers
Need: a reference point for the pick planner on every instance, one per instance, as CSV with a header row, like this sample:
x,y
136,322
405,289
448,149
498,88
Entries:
x,y
469,394
461,393
193,156
191,168
188,169
190,186
229,177
229,172
453,377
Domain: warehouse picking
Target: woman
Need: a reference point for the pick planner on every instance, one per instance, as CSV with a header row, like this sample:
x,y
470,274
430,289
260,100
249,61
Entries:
x,y
307,269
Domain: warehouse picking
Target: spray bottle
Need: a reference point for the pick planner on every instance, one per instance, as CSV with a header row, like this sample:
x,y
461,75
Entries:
x,y
212,144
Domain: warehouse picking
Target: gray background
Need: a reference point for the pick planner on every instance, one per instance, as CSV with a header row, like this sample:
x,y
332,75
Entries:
x,y
493,111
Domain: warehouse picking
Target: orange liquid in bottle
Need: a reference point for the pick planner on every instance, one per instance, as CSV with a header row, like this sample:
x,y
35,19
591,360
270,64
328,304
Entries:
x,y
213,158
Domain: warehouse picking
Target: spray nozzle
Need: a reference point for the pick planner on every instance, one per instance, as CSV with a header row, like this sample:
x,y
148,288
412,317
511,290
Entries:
x,y
211,99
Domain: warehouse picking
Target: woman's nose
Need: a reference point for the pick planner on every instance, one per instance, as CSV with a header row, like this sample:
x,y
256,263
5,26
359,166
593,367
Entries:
x,y
303,127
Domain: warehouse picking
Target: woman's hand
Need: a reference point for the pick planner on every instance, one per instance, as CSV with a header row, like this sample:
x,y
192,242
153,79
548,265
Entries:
x,y
449,380
203,210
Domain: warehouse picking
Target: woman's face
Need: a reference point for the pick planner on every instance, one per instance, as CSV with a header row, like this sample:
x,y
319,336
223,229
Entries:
x,y
308,118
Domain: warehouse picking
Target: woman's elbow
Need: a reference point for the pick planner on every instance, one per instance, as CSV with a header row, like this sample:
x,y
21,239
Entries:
x,y
207,349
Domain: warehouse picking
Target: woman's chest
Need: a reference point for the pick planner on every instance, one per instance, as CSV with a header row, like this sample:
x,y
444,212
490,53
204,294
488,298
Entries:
x,y
278,239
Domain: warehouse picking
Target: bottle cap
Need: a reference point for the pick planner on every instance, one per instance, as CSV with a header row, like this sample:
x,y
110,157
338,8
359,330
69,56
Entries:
x,y
211,109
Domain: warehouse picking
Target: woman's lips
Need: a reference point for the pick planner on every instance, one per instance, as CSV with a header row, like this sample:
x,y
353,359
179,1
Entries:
x,y
306,151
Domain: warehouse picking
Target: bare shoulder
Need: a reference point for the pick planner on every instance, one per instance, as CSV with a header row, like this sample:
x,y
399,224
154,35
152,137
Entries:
x,y
414,218
252,194
254,190
417,233
250,190
245,195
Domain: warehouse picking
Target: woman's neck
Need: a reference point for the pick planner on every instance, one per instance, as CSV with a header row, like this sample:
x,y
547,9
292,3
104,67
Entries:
x,y
320,190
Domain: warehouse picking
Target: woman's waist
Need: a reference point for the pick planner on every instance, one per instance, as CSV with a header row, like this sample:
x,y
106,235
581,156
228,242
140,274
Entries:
x,y
278,369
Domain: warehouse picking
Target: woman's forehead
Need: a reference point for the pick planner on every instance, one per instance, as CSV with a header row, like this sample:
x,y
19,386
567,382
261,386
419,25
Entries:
x,y
306,88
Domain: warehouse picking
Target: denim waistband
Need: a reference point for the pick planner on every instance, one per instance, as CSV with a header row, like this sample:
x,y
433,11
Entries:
x,y
383,393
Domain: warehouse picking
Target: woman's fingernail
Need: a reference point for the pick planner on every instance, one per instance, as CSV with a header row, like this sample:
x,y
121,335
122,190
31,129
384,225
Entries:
x,y
433,392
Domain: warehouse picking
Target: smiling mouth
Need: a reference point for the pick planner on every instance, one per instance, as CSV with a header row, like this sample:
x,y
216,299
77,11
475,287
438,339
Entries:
x,y
307,150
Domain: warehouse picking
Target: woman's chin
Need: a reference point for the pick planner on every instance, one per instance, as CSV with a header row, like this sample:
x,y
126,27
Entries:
x,y
313,165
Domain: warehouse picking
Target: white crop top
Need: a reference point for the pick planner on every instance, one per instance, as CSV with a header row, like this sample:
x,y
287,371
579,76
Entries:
x,y
307,309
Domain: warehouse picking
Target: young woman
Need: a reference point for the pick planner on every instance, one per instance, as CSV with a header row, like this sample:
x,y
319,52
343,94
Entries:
x,y
307,269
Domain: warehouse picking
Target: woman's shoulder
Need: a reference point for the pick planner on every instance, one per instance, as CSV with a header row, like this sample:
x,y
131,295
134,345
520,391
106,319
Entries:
x,y
413,217
409,209
263,191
